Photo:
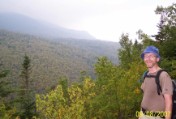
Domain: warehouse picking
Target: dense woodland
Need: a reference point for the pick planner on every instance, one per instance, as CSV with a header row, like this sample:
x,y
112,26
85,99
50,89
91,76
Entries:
x,y
114,92
51,59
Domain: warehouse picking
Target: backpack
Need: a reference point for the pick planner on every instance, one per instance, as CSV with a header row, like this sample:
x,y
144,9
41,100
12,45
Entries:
x,y
159,89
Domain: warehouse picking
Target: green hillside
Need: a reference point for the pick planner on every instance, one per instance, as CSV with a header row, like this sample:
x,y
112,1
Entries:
x,y
51,59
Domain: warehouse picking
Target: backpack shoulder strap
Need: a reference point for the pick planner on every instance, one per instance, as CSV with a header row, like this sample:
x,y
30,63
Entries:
x,y
143,76
174,82
158,81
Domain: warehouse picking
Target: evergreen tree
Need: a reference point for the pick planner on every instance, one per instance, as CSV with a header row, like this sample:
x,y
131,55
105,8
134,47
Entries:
x,y
166,37
26,94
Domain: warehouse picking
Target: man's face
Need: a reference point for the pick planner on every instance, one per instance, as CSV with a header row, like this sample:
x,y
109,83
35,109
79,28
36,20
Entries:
x,y
150,60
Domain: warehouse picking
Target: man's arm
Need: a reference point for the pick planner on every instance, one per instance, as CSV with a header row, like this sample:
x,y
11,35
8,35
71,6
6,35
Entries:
x,y
168,105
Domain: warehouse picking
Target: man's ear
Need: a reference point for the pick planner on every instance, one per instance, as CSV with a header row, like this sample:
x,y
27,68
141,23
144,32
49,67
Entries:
x,y
158,59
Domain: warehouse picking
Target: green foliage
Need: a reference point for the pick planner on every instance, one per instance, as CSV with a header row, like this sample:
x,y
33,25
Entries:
x,y
26,94
166,37
117,88
6,114
53,105
26,70
6,109
167,17
105,102
4,85
125,56
129,89
129,52
52,59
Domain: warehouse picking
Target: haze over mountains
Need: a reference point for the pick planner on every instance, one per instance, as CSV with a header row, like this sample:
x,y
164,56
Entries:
x,y
24,24
54,51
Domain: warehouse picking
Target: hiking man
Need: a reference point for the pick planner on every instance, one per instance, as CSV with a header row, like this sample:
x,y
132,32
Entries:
x,y
153,105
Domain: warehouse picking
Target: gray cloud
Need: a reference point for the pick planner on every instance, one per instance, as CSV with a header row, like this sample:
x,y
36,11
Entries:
x,y
103,18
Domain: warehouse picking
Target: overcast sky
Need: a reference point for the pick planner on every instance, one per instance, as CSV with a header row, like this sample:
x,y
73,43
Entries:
x,y
104,19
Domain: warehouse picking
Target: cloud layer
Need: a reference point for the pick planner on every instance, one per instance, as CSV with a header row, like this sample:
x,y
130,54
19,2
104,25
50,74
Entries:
x,y
105,19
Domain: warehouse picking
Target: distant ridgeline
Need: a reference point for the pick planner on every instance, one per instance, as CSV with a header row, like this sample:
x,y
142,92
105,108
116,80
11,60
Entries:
x,y
25,24
51,59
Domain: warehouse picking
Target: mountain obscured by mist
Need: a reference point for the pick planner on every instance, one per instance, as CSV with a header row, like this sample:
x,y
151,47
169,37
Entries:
x,y
24,24
54,51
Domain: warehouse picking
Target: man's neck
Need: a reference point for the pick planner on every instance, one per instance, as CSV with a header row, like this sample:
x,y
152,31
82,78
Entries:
x,y
154,69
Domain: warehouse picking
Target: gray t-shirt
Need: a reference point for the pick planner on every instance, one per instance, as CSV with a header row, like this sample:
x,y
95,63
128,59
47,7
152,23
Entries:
x,y
151,100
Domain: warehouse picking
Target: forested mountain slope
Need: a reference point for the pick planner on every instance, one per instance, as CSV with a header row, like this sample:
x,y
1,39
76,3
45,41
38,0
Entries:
x,y
51,59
